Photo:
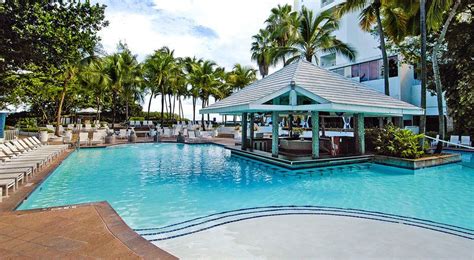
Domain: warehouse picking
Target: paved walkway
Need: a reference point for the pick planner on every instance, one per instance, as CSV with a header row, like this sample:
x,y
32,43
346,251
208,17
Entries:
x,y
318,237
89,231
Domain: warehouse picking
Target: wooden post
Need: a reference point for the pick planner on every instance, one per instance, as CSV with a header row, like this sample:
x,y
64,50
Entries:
x,y
252,130
244,131
275,134
360,134
315,133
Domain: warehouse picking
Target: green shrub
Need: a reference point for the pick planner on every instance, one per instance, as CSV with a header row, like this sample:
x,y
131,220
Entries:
x,y
393,141
36,129
137,118
27,122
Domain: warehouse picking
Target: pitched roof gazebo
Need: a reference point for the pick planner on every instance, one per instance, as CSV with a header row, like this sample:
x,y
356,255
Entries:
x,y
305,87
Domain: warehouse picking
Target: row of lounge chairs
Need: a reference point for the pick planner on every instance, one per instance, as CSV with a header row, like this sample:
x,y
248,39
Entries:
x,y
454,140
21,159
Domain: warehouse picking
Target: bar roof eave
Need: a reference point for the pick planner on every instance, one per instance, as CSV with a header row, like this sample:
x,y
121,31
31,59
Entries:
x,y
327,107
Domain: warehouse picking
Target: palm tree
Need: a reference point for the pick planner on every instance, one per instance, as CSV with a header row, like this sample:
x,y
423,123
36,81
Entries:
x,y
241,76
190,66
370,14
423,65
262,51
132,80
113,68
436,74
283,25
158,67
94,77
315,35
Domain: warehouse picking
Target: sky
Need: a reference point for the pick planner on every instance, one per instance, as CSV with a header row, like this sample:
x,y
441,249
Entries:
x,y
218,30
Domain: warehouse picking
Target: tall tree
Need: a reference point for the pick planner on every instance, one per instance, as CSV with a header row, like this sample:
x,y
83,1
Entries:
x,y
283,24
64,32
437,78
315,36
370,14
263,51
159,66
423,65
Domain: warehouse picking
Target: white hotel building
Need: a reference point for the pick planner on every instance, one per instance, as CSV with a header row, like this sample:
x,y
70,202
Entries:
x,y
367,68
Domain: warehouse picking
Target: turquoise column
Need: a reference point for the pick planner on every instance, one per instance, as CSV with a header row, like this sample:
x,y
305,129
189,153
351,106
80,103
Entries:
x,y
275,134
244,131
315,133
252,130
3,118
360,134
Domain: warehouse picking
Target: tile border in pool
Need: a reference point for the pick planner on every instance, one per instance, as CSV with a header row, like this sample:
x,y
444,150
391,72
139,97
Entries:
x,y
188,227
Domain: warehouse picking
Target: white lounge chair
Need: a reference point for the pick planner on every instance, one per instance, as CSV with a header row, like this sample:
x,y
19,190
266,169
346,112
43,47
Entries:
x,y
192,136
166,132
466,140
97,138
83,138
122,134
454,139
435,142
87,127
7,184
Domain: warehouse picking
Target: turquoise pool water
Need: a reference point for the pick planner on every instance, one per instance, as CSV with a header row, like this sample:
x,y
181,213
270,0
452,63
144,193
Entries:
x,y
152,185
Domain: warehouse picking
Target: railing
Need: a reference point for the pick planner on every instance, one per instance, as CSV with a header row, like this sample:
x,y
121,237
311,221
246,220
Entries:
x,y
11,134
449,143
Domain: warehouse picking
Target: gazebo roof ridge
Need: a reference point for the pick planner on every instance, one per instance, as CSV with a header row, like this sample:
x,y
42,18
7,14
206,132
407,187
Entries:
x,y
331,92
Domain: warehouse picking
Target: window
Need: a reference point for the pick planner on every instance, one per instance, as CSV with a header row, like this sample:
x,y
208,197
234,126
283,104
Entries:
x,y
328,60
355,70
364,71
374,69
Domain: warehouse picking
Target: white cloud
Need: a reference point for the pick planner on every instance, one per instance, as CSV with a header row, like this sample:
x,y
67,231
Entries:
x,y
218,30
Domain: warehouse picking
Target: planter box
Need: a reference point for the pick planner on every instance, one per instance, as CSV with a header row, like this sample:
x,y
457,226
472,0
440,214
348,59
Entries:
x,y
413,164
28,133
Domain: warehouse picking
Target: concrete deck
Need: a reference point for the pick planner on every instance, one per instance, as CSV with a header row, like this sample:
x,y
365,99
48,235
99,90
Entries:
x,y
88,231
318,237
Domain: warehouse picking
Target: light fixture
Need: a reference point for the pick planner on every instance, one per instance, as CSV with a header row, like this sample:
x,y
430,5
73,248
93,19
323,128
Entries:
x,y
292,84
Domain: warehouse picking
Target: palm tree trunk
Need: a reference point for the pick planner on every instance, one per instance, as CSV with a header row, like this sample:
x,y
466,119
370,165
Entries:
x,y
170,112
202,116
194,110
114,106
382,47
60,107
98,109
162,109
208,115
437,77
126,110
149,105
423,66
61,102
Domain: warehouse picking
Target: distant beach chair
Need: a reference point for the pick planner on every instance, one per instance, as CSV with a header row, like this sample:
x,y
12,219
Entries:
x,y
122,134
166,132
97,138
454,139
466,140
83,138
435,142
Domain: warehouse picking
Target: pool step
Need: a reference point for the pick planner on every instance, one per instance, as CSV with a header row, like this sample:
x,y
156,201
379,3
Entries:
x,y
218,219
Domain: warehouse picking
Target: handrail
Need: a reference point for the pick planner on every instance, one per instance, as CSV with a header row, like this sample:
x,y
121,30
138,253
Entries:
x,y
446,142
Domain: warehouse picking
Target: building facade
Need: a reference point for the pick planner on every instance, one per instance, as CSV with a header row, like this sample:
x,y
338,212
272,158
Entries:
x,y
368,67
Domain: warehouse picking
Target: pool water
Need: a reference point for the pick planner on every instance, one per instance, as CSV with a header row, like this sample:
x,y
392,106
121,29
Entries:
x,y
152,185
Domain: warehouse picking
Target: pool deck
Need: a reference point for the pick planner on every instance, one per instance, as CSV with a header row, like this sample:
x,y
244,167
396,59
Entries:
x,y
318,237
96,231
88,231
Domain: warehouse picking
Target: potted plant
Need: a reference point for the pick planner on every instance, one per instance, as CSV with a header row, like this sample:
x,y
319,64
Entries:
x,y
132,138
297,132
110,138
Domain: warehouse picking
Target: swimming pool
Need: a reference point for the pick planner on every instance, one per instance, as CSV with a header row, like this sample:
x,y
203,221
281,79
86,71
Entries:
x,y
153,185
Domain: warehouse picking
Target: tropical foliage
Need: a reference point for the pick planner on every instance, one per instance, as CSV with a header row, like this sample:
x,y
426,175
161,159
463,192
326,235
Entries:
x,y
291,35
393,141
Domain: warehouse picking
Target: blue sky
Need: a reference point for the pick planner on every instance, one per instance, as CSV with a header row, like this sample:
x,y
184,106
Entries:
x,y
219,30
